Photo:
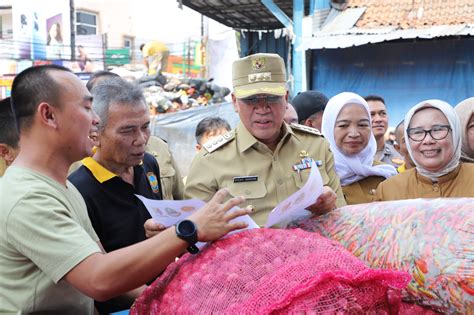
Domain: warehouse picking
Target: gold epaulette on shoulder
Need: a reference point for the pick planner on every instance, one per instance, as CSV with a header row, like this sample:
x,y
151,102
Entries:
x,y
307,129
216,143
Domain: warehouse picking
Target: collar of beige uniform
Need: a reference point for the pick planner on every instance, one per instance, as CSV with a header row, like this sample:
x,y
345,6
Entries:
x,y
247,140
441,179
402,168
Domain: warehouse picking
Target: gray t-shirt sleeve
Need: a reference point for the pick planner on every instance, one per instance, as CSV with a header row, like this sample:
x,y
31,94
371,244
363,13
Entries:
x,y
43,228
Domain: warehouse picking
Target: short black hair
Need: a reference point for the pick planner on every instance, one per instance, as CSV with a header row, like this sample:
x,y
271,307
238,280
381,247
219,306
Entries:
x,y
8,131
374,98
141,46
210,124
31,87
98,77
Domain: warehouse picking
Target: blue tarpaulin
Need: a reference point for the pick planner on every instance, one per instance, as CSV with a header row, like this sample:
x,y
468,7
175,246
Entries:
x,y
403,73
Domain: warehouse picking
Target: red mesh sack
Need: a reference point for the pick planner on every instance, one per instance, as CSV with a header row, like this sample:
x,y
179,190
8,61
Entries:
x,y
432,239
264,271
414,309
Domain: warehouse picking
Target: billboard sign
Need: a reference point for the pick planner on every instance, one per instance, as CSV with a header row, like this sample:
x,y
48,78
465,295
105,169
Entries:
x,y
41,29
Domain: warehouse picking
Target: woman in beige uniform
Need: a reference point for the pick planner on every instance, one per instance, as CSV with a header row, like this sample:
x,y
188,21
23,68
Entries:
x,y
434,142
465,111
347,126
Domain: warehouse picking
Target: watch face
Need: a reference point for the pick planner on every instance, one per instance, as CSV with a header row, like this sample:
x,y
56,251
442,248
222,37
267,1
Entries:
x,y
187,227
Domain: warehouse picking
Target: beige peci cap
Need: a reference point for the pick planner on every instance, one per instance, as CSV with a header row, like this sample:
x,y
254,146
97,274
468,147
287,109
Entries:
x,y
259,74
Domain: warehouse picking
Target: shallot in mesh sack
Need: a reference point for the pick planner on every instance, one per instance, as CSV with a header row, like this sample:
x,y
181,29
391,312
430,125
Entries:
x,y
263,271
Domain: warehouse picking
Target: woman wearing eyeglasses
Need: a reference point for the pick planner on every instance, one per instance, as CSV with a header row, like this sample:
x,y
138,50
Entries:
x,y
434,143
346,124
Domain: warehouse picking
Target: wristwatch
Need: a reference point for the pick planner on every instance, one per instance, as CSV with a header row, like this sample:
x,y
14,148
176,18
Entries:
x,y
187,231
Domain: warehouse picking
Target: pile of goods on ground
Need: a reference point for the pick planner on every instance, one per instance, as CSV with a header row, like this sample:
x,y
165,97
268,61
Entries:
x,y
171,93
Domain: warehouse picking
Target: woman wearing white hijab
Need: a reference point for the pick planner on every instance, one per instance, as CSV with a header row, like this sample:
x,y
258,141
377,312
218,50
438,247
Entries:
x,y
465,111
346,125
434,142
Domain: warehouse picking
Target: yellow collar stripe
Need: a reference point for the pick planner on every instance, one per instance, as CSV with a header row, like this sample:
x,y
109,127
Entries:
x,y
100,173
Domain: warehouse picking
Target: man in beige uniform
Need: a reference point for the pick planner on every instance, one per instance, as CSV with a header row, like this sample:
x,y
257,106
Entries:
x,y
263,159
172,186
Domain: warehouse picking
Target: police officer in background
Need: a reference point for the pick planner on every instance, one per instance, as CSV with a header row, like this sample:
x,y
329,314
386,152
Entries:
x,y
386,153
263,159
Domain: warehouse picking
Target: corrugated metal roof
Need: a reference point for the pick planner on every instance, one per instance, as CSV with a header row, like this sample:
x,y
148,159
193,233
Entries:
x,y
319,17
337,37
376,21
341,20
362,22
243,14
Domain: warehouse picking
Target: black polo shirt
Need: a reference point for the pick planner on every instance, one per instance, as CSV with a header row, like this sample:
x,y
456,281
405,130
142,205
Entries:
x,y
117,215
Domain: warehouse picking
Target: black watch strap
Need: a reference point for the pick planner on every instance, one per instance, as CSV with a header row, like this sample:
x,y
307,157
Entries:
x,y
193,249
187,231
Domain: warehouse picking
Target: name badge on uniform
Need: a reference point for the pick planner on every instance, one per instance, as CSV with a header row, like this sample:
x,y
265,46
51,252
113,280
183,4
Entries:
x,y
245,179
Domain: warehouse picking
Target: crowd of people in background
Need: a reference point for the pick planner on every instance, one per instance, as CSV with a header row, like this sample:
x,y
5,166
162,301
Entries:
x,y
85,152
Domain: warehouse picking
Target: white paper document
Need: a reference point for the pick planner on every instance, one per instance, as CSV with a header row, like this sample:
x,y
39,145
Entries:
x,y
170,212
293,207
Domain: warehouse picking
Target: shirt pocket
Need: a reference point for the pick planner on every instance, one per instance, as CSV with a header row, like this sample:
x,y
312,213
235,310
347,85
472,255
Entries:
x,y
301,178
166,170
167,174
250,190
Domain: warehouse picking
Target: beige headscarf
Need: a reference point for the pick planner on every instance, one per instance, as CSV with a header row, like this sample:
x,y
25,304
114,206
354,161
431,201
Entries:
x,y
453,121
465,110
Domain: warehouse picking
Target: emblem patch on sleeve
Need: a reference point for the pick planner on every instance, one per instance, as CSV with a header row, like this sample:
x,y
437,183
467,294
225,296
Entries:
x,y
153,179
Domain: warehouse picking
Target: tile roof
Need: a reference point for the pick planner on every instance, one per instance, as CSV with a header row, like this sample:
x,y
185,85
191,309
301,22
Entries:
x,y
407,14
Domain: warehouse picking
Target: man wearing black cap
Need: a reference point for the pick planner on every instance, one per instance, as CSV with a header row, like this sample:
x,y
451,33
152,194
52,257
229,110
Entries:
x,y
310,106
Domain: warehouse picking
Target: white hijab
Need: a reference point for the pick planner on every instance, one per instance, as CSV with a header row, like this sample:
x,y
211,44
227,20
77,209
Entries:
x,y
465,110
455,124
353,168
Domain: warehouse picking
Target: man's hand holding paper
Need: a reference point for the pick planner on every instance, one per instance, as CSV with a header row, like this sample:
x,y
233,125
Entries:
x,y
215,218
294,207
325,202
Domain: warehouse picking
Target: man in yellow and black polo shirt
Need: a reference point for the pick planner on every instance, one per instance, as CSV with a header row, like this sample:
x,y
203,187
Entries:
x,y
119,169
